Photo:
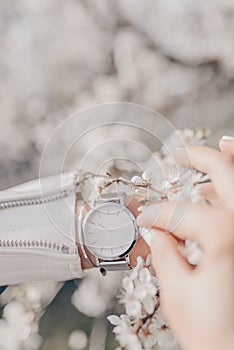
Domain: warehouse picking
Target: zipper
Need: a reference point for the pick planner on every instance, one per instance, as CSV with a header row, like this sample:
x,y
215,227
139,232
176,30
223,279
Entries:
x,y
19,198
31,243
34,200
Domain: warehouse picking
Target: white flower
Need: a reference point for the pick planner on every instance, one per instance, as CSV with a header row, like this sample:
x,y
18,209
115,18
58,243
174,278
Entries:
x,y
121,322
139,292
148,260
192,251
161,329
149,340
140,190
129,340
147,175
95,293
9,340
136,180
124,332
99,181
140,297
133,307
132,304
77,340
19,318
145,291
137,268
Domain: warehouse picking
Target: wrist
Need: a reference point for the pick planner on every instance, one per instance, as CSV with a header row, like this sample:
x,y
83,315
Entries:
x,y
141,248
85,264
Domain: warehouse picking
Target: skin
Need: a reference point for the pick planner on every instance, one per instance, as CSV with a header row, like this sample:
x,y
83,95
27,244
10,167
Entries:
x,y
199,303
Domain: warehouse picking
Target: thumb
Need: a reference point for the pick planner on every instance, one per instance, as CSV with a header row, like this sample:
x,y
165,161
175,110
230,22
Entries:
x,y
170,266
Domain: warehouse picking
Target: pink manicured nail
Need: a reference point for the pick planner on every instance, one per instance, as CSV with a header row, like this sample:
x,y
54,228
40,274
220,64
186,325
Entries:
x,y
227,138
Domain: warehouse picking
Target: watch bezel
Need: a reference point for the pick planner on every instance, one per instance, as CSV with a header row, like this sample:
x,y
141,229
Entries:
x,y
131,217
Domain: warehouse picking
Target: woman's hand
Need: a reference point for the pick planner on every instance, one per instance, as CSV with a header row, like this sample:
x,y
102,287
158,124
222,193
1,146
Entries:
x,y
199,303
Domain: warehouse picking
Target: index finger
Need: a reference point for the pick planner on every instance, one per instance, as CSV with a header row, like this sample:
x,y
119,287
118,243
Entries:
x,y
198,223
218,165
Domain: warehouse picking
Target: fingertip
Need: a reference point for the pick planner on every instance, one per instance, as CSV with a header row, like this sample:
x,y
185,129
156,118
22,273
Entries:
x,y
143,221
166,258
226,144
149,215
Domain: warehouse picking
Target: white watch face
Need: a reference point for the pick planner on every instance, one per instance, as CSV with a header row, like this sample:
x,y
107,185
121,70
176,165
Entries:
x,y
109,230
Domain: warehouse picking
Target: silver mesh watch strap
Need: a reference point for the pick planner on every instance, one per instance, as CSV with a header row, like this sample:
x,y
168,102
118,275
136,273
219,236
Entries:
x,y
117,265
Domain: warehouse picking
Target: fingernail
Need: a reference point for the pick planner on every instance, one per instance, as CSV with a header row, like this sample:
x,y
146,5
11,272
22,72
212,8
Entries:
x,y
181,156
227,138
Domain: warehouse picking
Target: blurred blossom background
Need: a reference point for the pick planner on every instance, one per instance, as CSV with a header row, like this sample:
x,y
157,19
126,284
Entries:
x,y
57,57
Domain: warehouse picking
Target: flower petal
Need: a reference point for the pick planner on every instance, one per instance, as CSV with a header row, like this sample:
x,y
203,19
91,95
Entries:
x,y
149,305
113,319
133,308
127,285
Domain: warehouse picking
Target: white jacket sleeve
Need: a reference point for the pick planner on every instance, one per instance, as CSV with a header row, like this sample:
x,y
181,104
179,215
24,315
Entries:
x,y
37,231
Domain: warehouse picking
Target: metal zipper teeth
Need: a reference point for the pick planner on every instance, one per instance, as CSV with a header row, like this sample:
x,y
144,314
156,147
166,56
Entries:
x,y
28,243
34,201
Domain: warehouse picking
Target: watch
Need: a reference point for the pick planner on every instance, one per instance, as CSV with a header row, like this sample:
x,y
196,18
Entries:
x,y
107,232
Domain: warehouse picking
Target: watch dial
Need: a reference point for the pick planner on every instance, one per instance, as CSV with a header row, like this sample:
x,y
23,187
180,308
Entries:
x,y
109,230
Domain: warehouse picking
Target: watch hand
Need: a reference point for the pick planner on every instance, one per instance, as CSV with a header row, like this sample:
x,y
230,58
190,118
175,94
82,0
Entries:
x,y
97,224
101,225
